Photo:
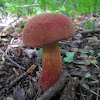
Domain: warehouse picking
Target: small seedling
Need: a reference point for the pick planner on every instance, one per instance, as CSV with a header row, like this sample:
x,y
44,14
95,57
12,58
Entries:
x,y
90,24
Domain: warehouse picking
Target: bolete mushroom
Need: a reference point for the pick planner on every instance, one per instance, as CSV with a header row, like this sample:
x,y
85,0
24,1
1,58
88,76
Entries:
x,y
46,30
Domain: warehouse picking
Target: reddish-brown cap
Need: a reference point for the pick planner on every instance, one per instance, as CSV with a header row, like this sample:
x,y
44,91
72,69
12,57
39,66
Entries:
x,y
47,28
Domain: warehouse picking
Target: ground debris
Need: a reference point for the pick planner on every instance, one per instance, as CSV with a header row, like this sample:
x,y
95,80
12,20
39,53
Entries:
x,y
20,66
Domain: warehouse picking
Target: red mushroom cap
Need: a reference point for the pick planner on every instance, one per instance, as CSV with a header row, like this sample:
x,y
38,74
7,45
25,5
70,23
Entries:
x,y
47,28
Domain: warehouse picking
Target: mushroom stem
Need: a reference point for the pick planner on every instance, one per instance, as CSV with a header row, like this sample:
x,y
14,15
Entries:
x,y
52,65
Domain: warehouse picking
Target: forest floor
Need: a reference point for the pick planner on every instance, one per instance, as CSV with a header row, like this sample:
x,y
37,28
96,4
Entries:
x,y
20,66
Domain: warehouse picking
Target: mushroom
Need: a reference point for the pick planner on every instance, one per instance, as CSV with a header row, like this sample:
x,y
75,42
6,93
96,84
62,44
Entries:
x,y
46,30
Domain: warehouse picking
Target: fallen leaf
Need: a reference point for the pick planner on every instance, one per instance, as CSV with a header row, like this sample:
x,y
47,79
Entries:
x,y
86,48
74,49
78,36
87,62
7,28
83,67
30,52
82,51
98,54
91,51
30,92
39,55
93,39
84,55
69,57
19,93
38,74
15,34
3,34
30,70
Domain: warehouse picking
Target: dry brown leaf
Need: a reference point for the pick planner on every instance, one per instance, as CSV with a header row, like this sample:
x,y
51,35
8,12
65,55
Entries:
x,y
3,34
83,67
30,70
74,49
84,55
86,48
93,39
38,74
15,34
7,28
87,62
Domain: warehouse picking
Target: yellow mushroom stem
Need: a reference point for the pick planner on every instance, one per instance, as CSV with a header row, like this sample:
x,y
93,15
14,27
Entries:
x,y
52,65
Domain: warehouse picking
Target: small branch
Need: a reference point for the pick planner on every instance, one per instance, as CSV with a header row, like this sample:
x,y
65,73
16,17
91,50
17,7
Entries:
x,y
15,20
17,65
7,50
62,81
27,5
90,31
91,91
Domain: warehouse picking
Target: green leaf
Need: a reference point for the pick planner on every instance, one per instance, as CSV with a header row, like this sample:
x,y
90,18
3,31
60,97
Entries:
x,y
98,54
87,75
7,5
87,23
82,51
0,55
69,57
39,55
91,51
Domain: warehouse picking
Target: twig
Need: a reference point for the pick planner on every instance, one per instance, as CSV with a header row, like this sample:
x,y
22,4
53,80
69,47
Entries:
x,y
15,20
7,50
62,81
90,91
17,80
90,31
95,65
16,72
13,62
27,5
62,6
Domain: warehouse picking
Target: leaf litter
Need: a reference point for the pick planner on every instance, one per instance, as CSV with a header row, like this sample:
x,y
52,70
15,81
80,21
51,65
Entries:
x,y
20,66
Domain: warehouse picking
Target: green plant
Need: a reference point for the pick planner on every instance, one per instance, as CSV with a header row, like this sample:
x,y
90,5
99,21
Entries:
x,y
70,8
0,55
98,54
91,52
69,57
90,24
